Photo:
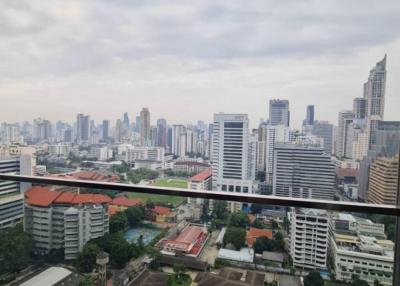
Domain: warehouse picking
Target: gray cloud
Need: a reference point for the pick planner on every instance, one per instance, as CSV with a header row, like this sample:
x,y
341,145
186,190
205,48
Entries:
x,y
190,49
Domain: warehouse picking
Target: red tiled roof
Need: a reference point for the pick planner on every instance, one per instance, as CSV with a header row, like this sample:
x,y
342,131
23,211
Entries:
x,y
87,176
112,210
161,210
43,196
190,234
254,233
40,196
201,176
125,202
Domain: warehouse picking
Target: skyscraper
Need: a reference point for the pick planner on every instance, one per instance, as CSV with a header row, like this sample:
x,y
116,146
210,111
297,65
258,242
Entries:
x,y
41,130
359,107
145,127
137,124
324,130
82,127
345,119
106,129
126,120
162,132
310,115
374,93
230,154
178,146
279,112
303,171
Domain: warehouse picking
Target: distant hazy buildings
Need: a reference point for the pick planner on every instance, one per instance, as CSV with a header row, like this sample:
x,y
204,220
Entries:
x,y
178,146
359,107
82,127
309,115
145,127
162,133
303,171
279,112
106,130
345,119
42,130
324,130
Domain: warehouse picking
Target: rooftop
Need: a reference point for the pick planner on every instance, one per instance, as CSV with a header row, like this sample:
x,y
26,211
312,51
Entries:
x,y
50,276
201,176
243,255
254,233
125,202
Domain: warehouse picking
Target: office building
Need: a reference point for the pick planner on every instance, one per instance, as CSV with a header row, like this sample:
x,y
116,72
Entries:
x,y
161,133
308,238
359,107
105,130
126,120
303,171
59,149
279,112
82,128
324,130
383,181
42,130
145,127
230,154
309,115
64,220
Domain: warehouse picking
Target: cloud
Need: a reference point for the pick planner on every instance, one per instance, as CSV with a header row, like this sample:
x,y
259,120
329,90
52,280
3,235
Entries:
x,y
71,49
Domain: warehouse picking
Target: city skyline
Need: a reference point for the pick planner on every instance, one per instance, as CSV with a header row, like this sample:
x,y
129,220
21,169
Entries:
x,y
73,63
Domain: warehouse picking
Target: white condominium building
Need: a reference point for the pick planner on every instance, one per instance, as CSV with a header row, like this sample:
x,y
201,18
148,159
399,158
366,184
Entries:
x,y
359,247
308,236
57,220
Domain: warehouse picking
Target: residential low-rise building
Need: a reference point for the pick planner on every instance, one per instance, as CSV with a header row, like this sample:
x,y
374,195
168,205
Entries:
x,y
308,235
359,247
64,220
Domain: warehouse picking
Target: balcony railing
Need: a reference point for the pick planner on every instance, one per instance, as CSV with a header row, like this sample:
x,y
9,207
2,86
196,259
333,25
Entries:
x,y
340,206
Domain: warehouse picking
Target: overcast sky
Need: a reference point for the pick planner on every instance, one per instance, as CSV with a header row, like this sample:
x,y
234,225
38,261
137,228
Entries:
x,y
186,60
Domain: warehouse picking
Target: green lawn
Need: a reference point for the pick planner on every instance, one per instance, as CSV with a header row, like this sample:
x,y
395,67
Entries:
x,y
172,183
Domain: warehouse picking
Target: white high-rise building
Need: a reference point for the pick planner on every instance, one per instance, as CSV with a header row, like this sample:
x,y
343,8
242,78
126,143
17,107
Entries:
x,y
230,154
308,235
345,119
179,140
303,171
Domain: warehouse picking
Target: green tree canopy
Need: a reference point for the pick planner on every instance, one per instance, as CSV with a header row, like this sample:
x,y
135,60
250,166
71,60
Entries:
x,y
179,269
236,236
118,222
87,258
15,249
238,219
220,210
358,282
313,279
134,214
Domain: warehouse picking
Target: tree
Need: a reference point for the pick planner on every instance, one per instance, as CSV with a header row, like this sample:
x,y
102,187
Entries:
x,y
87,281
87,258
149,205
358,282
263,244
238,219
120,253
15,249
155,262
118,222
313,279
134,214
235,236
279,241
220,210
377,283
179,270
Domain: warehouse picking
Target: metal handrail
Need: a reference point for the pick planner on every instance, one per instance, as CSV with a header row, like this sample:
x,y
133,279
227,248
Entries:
x,y
224,196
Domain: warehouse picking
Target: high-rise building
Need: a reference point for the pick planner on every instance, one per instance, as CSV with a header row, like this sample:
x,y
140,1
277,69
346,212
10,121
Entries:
x,y
82,127
106,130
383,181
42,130
153,136
308,236
279,112
345,119
324,130
126,120
67,220
119,131
162,133
145,127
137,124
310,115
230,154
359,107
303,171
374,93
178,147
